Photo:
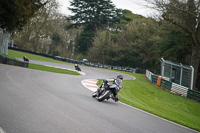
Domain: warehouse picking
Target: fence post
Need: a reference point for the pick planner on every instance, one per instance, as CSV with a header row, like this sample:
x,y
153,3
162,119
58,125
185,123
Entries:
x,y
181,74
192,76
170,76
1,41
162,67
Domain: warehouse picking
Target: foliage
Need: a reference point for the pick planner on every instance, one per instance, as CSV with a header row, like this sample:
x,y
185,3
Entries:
x,y
85,40
141,43
15,14
102,48
175,44
46,33
92,15
135,46
185,15
127,16
138,41
129,40
56,40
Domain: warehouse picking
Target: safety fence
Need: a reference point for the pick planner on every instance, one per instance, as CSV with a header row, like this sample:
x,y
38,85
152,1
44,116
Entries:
x,y
92,64
177,73
6,60
173,87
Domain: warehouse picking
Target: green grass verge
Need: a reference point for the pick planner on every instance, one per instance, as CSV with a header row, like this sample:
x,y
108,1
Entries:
x,y
17,54
51,69
142,94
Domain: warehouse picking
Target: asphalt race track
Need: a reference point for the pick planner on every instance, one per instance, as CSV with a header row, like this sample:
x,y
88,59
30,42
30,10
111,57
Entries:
x,y
33,101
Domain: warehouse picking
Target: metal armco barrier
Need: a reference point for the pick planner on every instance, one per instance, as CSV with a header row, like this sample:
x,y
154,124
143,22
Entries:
x,y
166,84
6,60
194,95
126,69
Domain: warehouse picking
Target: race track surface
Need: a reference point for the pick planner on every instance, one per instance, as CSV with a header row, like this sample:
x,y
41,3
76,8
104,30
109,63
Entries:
x,y
33,101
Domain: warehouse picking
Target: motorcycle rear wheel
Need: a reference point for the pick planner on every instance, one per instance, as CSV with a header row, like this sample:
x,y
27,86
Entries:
x,y
104,96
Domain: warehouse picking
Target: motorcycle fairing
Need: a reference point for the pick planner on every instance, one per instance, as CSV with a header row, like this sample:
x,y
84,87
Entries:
x,y
113,86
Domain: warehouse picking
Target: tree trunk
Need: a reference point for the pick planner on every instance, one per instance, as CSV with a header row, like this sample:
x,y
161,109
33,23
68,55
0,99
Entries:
x,y
195,61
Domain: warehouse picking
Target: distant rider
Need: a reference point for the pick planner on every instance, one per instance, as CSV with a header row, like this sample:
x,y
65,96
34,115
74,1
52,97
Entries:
x,y
25,59
77,67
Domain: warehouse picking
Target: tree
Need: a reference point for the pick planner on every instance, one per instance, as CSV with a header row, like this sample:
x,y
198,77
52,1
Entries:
x,y
56,40
92,15
137,44
102,48
185,15
36,29
14,14
127,16
175,45
46,33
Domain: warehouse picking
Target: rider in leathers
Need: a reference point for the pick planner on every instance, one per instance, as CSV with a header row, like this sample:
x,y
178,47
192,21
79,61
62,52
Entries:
x,y
119,84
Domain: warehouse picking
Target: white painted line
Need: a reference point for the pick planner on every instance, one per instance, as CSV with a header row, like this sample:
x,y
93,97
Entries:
x,y
159,117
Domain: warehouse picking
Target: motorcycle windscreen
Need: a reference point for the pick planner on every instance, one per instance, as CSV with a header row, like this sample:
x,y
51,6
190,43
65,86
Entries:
x,y
113,86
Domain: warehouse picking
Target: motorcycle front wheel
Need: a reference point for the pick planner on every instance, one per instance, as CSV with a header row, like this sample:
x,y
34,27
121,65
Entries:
x,y
104,96
94,94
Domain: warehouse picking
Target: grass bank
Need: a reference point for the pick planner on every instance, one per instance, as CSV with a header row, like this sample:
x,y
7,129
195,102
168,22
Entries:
x,y
51,69
144,95
17,54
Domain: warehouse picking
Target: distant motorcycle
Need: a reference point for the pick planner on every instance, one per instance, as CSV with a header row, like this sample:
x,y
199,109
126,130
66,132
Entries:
x,y
25,59
77,67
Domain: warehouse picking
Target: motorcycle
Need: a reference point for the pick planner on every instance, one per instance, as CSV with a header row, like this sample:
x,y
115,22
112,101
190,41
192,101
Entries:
x,y
25,59
77,67
106,91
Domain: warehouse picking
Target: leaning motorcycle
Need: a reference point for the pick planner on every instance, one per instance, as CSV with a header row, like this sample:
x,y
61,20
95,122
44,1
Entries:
x,y
77,67
106,91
